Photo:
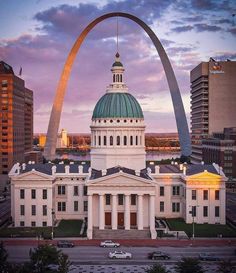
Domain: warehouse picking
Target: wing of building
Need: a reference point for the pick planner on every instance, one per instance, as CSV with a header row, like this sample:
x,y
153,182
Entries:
x,y
118,193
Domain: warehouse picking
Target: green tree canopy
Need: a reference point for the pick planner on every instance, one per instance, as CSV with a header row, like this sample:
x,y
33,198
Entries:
x,y
157,268
188,265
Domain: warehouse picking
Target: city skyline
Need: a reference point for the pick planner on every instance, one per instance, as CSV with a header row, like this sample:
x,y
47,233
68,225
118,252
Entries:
x,y
35,41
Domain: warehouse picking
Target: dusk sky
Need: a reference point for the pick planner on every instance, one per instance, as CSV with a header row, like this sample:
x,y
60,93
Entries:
x,y
37,35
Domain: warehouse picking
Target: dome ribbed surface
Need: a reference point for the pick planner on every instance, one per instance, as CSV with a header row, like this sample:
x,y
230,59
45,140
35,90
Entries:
x,y
117,105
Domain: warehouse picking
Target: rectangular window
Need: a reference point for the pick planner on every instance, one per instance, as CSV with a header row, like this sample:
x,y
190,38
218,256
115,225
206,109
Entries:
x,y
44,210
175,207
33,224
22,210
76,205
194,195
33,210
44,224
85,205
22,223
61,206
85,190
45,194
120,199
217,195
162,191
61,190
133,199
217,211
33,194
194,211
162,206
205,195
108,199
76,190
22,194
175,190
205,211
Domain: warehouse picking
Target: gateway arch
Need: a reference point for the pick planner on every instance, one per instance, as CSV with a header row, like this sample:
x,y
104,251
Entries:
x,y
181,121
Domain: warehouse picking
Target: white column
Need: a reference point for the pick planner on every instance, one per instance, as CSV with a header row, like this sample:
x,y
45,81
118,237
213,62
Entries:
x,y
127,212
101,211
90,217
152,212
114,212
140,211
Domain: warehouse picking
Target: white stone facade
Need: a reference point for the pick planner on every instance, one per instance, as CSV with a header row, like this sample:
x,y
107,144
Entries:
x,y
116,200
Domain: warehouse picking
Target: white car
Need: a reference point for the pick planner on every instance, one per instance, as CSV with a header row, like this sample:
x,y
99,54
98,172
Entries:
x,y
120,255
109,243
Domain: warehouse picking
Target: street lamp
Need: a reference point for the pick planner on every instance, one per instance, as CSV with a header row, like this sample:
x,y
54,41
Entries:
x,y
52,233
193,212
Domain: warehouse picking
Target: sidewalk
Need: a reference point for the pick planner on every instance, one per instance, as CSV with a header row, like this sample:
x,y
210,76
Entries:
x,y
147,242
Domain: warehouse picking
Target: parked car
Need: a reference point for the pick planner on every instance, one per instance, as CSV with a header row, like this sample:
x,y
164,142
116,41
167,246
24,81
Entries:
x,y
157,255
109,243
65,244
2,199
120,255
208,257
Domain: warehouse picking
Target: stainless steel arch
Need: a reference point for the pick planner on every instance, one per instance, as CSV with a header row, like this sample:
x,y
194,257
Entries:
x,y
181,121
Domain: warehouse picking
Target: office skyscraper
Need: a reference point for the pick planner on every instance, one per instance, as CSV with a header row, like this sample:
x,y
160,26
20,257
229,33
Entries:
x,y
213,101
16,118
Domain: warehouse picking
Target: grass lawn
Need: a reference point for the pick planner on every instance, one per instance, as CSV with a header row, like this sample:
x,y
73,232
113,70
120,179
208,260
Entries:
x,y
66,228
201,230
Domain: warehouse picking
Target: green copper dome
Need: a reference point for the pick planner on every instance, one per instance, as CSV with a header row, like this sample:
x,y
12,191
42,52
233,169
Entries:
x,y
117,105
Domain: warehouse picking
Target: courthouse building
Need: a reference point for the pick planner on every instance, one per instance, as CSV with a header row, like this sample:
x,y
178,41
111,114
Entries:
x,y
118,192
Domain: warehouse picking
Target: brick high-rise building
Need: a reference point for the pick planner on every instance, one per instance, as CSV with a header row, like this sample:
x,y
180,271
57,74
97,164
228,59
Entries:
x,y
16,118
213,101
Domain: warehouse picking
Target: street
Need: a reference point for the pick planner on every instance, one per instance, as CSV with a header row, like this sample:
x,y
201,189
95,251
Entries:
x,y
95,259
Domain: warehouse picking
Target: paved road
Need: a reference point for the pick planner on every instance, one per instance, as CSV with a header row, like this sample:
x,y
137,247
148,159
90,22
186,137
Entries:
x,y
97,255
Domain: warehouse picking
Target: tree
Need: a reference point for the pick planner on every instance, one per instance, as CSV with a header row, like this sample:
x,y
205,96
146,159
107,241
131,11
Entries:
x,y
157,268
43,256
188,265
3,258
64,263
226,266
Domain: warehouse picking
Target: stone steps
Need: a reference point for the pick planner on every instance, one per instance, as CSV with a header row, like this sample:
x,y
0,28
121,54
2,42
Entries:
x,y
121,234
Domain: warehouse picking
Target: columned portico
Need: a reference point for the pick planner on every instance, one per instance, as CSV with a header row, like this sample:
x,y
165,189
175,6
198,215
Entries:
x,y
101,211
114,211
127,211
140,211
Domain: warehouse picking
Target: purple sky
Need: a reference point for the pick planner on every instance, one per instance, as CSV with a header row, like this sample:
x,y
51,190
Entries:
x,y
38,35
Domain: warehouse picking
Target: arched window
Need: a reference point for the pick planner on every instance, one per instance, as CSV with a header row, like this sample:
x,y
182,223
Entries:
x,y
114,78
111,140
136,140
104,140
118,140
120,78
99,140
125,140
95,140
131,140
117,78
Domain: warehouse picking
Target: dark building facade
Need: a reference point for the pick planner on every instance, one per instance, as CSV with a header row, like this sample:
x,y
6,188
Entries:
x,y
221,149
16,118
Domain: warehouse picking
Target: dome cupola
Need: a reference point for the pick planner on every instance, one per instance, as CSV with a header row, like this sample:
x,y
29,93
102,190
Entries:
x,y
117,102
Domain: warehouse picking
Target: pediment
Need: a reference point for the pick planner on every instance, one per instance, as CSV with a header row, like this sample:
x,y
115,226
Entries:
x,y
204,178
205,175
120,179
32,175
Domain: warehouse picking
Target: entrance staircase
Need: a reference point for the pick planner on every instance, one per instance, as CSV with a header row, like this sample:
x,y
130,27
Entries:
x,y
121,234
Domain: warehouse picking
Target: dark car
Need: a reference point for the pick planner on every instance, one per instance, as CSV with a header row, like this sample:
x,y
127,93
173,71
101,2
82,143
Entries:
x,y
157,255
208,257
65,244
